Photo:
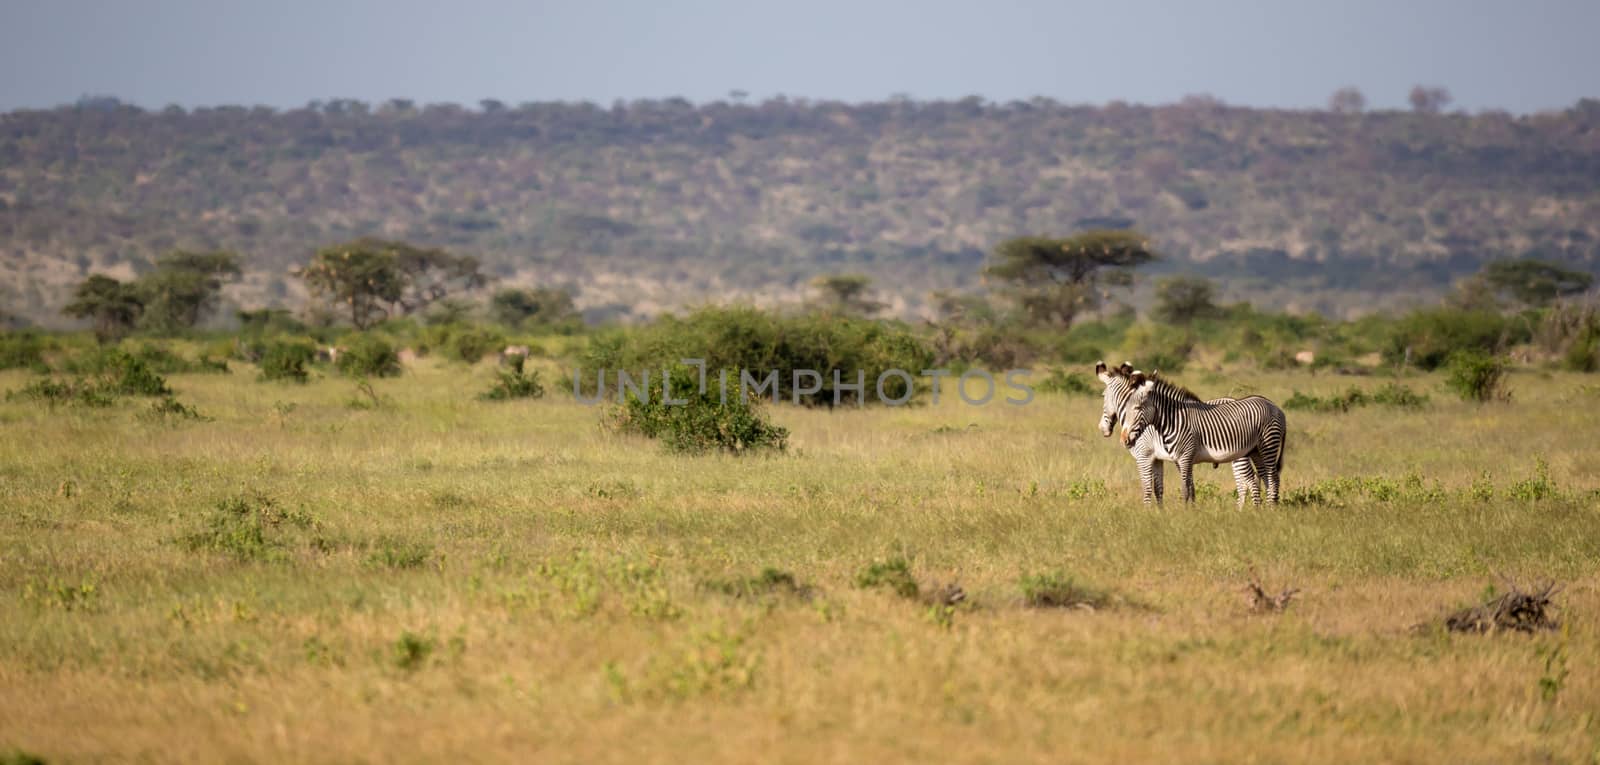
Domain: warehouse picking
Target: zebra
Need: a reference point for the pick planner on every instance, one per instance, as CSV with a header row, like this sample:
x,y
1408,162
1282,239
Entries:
x,y
1189,430
1152,470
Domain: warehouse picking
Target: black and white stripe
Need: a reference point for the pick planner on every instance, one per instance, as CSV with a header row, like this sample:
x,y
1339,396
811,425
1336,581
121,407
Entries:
x,y
1189,430
1152,469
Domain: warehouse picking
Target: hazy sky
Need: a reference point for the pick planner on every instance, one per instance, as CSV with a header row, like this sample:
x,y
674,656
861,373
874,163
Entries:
x,y
1522,56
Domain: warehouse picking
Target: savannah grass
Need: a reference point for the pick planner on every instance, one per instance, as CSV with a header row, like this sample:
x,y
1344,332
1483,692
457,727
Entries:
x,y
443,577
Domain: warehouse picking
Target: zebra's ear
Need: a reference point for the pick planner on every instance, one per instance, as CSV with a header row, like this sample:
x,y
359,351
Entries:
x,y
1137,378
1100,372
1126,368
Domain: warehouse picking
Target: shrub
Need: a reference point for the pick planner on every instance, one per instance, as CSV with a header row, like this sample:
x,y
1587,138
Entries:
x,y
369,356
287,360
249,527
471,344
155,358
704,423
22,350
82,392
411,651
1477,376
893,575
1391,394
1432,336
1056,590
514,383
131,376
748,338
1158,347
169,409
1072,383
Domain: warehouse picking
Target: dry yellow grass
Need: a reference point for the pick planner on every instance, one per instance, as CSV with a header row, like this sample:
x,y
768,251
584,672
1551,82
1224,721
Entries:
x,y
552,579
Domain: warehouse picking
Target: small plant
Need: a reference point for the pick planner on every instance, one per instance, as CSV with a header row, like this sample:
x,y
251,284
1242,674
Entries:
x,y
1057,590
169,409
1477,376
249,527
286,360
399,553
411,651
514,383
1535,488
893,575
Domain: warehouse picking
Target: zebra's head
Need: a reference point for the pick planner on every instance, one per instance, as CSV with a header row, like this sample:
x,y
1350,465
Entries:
x,y
1137,408
1116,393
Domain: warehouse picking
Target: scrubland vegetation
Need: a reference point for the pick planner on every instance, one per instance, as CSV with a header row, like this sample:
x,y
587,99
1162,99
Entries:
x,y
328,558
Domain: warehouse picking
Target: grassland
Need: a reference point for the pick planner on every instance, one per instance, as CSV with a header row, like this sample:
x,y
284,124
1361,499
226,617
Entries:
x,y
303,578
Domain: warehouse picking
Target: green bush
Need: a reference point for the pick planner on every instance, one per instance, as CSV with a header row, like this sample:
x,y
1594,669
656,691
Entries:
x,y
1432,336
470,344
1071,383
83,392
1390,394
22,350
250,527
514,383
893,575
1477,376
705,423
743,337
286,360
369,356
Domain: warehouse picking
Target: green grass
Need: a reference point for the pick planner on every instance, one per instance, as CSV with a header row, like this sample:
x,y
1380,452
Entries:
x,y
442,577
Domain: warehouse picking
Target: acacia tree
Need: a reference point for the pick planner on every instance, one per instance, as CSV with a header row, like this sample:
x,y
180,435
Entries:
x,y
1533,282
113,306
183,287
847,294
372,279
1054,280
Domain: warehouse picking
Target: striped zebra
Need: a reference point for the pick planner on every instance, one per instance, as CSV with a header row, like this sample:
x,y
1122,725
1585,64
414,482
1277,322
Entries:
x,y
1152,470
1189,430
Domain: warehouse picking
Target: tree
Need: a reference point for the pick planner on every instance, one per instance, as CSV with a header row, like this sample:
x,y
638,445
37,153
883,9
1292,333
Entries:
x,y
1347,100
113,306
183,287
1533,282
362,278
1429,100
1183,299
372,279
1055,279
847,294
522,306
431,273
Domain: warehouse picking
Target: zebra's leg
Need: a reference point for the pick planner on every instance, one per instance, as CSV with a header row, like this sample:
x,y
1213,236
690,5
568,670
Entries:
x,y
1272,460
1186,473
1259,464
1158,472
1147,480
1244,481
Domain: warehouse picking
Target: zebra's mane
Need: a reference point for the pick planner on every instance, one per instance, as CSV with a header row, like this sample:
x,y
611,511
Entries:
x,y
1171,389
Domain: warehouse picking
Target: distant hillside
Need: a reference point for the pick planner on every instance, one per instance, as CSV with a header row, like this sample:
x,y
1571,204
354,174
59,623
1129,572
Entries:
x,y
648,205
